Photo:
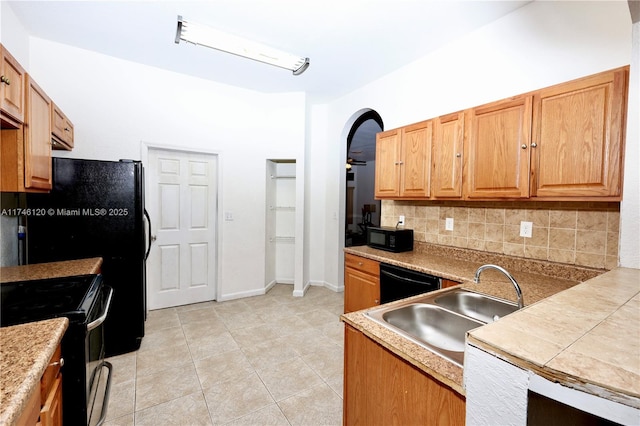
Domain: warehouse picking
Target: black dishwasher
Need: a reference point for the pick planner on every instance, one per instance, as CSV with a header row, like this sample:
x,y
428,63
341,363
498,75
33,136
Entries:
x,y
397,283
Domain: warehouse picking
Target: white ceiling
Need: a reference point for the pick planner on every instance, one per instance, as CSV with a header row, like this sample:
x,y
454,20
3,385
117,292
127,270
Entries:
x,y
349,42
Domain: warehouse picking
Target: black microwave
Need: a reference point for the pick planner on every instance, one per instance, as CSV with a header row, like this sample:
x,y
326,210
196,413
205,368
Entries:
x,y
390,239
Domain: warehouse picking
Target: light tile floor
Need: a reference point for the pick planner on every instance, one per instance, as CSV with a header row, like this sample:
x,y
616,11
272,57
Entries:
x,y
266,360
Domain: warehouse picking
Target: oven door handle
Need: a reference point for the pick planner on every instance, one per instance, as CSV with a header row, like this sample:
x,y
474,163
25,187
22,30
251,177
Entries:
x,y
399,278
98,321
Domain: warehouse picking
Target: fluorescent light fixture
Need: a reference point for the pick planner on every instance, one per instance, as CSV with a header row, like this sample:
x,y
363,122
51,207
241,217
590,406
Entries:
x,y
202,35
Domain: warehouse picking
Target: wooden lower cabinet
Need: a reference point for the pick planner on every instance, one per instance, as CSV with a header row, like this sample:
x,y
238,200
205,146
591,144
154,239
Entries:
x,y
448,283
361,283
381,388
51,392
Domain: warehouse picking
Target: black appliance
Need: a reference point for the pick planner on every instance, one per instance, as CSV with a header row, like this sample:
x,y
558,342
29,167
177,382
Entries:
x,y
398,283
96,209
390,239
85,301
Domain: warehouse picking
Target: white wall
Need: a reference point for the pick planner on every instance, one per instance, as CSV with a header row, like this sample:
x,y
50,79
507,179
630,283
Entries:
x,y
630,208
538,45
116,105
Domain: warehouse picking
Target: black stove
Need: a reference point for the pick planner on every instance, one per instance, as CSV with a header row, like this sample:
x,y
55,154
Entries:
x,y
26,301
85,301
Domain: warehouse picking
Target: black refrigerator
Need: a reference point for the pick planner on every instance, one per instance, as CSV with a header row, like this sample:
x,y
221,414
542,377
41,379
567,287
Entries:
x,y
96,209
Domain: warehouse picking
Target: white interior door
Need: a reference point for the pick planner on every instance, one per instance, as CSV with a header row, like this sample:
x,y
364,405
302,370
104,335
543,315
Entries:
x,y
181,268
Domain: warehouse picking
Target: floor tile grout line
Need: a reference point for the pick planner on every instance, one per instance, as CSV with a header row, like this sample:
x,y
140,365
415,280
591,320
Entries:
x,y
328,304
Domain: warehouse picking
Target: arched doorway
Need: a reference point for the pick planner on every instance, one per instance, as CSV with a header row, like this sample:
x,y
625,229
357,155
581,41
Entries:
x,y
362,210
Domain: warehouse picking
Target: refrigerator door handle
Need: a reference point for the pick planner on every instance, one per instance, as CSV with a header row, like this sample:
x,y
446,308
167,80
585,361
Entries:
x,y
146,214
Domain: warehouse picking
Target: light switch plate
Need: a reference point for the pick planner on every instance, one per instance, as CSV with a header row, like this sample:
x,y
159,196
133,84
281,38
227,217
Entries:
x,y
448,224
401,220
526,229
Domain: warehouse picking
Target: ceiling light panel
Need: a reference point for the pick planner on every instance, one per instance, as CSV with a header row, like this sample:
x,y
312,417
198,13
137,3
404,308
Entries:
x,y
203,35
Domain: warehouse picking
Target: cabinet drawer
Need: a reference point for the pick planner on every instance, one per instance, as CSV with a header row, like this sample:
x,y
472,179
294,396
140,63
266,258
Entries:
x,y
361,264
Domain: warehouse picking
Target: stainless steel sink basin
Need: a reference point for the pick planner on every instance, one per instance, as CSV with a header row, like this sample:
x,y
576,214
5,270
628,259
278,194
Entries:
x,y
481,307
439,322
433,326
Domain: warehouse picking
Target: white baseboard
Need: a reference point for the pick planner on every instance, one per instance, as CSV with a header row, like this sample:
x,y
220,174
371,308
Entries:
x,y
241,295
296,293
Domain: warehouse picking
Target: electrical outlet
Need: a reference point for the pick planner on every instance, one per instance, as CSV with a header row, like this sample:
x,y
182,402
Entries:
x,y
526,229
448,224
401,220
228,216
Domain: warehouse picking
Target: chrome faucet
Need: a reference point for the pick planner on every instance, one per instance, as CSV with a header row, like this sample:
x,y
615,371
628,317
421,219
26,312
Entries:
x,y
476,280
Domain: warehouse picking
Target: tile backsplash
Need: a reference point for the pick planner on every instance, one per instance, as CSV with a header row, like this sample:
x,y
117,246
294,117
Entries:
x,y
577,233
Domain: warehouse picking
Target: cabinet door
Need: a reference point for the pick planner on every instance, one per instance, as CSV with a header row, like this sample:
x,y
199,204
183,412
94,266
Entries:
x,y
361,290
381,388
498,149
37,149
387,180
448,132
355,390
61,129
51,413
415,160
579,132
12,87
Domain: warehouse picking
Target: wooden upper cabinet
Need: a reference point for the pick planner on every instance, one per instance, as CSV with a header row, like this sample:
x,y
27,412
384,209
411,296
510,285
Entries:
x,y
498,149
402,162
416,160
61,129
448,147
37,138
579,136
12,86
387,174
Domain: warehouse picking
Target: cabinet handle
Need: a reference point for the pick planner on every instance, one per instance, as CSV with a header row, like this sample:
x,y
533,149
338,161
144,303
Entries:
x,y
458,155
359,263
524,146
55,364
5,80
377,301
533,144
66,129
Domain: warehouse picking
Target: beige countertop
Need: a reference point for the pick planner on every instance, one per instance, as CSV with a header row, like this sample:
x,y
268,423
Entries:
x,y
587,337
25,351
38,271
538,280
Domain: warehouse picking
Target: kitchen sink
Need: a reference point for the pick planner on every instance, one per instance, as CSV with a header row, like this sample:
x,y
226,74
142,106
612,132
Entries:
x,y
481,307
439,321
432,325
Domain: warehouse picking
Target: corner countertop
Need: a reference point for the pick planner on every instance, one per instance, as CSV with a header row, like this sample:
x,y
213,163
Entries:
x,y
585,338
39,271
25,351
537,279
